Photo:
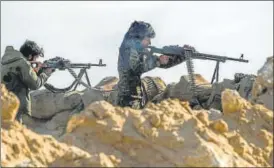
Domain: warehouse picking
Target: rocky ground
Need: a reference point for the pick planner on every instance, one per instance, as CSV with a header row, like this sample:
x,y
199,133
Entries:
x,y
169,133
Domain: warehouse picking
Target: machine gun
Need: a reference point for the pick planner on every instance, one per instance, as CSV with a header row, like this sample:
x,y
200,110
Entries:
x,y
63,64
180,54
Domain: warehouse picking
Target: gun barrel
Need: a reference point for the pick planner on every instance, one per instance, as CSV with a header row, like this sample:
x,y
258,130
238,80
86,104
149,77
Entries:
x,y
97,65
83,65
216,57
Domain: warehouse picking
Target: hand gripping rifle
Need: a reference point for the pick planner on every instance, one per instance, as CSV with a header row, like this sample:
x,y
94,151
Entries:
x,y
180,54
63,64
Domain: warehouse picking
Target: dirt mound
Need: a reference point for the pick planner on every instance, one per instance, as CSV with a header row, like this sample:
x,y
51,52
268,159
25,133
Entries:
x,y
23,148
171,134
9,104
108,83
262,91
166,134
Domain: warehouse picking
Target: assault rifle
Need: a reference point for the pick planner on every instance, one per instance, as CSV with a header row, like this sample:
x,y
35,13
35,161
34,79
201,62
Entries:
x,y
65,64
180,54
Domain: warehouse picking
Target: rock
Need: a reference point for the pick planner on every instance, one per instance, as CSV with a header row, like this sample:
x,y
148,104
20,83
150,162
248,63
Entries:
x,y
107,83
262,91
232,102
46,104
3,152
98,160
214,114
166,134
59,120
220,126
9,104
26,148
101,109
266,99
91,95
271,157
171,134
265,74
181,89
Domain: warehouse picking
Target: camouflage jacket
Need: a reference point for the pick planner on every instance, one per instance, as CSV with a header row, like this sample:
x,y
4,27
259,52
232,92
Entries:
x,y
19,77
133,57
133,61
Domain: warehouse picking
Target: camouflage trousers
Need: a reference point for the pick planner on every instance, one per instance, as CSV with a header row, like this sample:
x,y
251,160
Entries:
x,y
130,92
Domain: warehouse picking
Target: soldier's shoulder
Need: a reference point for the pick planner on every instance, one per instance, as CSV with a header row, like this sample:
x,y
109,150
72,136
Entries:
x,y
129,43
9,50
12,55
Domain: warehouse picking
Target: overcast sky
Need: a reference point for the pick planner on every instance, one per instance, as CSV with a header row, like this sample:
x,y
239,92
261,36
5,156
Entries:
x,y
87,31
